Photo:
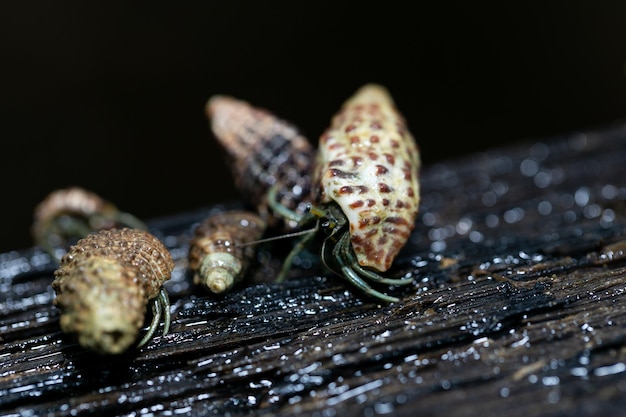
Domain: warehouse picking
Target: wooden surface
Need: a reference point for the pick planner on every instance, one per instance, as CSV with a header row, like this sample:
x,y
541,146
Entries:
x,y
517,309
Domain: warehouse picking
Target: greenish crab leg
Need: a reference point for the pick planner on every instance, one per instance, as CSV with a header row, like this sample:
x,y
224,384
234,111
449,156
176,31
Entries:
x,y
339,248
342,252
63,229
160,306
164,300
358,282
280,209
68,227
348,255
128,220
298,247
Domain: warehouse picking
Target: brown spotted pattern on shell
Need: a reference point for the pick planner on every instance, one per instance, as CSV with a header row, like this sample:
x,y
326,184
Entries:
x,y
368,164
104,284
74,212
265,151
216,255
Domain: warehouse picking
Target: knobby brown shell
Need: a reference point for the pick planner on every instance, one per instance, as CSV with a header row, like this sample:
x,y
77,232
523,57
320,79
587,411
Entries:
x,y
104,284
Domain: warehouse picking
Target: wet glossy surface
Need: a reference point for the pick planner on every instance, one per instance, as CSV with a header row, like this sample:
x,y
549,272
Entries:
x,y
517,307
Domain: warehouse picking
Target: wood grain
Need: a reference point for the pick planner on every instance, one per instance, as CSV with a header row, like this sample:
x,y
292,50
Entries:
x,y
517,307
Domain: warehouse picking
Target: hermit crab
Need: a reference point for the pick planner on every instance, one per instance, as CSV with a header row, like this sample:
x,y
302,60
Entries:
x,y
362,189
104,284
272,162
218,254
366,190
68,214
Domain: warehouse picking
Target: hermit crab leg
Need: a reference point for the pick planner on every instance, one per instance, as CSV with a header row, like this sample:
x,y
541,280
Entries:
x,y
128,220
348,255
156,318
378,278
343,254
298,247
72,213
280,209
164,300
54,230
353,277
160,306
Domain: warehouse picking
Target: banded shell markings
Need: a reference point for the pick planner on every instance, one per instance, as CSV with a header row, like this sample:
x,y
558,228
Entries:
x,y
368,164
104,284
218,255
74,212
271,161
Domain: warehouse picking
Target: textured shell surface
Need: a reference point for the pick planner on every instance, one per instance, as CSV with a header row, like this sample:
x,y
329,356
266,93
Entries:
x,y
265,151
103,285
216,253
73,201
131,248
368,163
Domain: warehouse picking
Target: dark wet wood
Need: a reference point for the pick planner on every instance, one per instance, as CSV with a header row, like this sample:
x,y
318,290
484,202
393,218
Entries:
x,y
518,308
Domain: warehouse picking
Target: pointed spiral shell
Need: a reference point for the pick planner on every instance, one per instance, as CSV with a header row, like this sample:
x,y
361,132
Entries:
x,y
215,254
103,285
368,163
265,151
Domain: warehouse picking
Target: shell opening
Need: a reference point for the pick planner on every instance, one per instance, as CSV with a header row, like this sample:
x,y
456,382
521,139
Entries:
x,y
219,271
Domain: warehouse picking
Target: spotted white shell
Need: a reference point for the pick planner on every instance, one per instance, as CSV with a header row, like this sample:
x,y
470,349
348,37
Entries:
x,y
368,163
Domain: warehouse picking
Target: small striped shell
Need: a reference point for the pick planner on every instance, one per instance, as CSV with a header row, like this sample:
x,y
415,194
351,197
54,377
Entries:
x,y
103,285
368,164
265,151
215,255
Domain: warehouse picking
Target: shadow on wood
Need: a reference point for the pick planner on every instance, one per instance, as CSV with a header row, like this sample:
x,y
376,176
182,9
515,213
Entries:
x,y
517,307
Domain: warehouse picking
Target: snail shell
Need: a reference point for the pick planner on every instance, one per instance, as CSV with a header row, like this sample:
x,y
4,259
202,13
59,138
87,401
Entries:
x,y
104,283
215,253
74,212
75,200
368,163
265,152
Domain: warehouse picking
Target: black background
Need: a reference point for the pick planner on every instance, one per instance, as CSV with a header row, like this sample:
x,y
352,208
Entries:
x,y
110,96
